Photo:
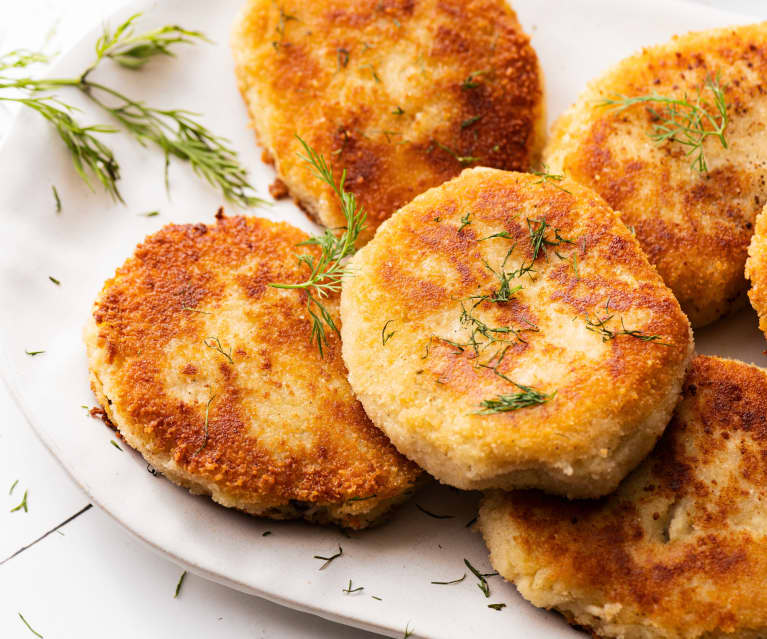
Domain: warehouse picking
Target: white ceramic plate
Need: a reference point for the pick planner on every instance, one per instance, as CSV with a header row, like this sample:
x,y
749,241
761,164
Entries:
x,y
82,246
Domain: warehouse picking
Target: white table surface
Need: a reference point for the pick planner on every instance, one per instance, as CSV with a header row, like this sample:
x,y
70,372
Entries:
x,y
90,578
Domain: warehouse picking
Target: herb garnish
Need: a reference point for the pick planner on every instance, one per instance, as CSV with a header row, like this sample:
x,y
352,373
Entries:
x,y
178,585
503,234
482,585
497,606
447,583
23,504
215,344
115,444
431,514
469,121
327,560
13,485
398,111
372,70
599,325
376,598
526,397
174,131
408,631
205,425
31,629
686,122
343,57
549,178
54,280
33,353
349,590
56,197
470,81
194,310
150,214
465,221
461,159
385,337
328,271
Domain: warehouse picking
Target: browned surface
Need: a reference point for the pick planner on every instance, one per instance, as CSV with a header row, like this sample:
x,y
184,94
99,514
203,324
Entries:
x,y
283,423
682,545
380,88
694,227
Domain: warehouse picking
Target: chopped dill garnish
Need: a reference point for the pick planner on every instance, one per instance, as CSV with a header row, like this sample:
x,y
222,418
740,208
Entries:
x,y
327,560
376,598
497,606
22,504
686,122
461,159
372,71
31,629
328,271
266,533
343,57
349,590
33,353
470,81
195,310
599,326
150,214
549,178
398,111
447,583
431,514
465,221
54,280
526,397
385,337
538,239
56,197
408,631
482,585
13,485
115,444
469,121
205,425
174,131
362,498
178,585
503,235
215,344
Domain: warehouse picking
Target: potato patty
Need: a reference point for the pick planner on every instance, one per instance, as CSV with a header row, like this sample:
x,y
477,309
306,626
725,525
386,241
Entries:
x,y
401,93
680,550
756,270
694,226
525,339
212,375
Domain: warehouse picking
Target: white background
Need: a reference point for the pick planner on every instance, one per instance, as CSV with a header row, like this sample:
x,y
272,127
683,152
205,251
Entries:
x,y
91,578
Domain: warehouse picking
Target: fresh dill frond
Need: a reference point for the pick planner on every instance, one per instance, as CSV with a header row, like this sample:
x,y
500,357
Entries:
x,y
327,560
13,485
686,121
503,235
22,504
349,590
376,598
56,198
328,270
447,583
461,159
465,221
497,606
385,337
54,280
599,325
33,353
115,444
22,58
431,514
266,533
31,629
471,80
526,397
549,178
179,584
482,585
133,51
150,214
215,344
343,57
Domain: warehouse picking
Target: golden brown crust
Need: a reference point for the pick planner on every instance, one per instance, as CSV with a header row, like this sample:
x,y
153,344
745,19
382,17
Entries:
x,y
283,424
681,549
430,262
694,227
756,270
383,89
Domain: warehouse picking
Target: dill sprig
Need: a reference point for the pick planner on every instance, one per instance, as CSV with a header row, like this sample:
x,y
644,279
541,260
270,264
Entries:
x,y
215,344
22,504
461,159
497,606
599,325
56,198
526,397
385,337
482,585
179,584
431,514
549,178
31,629
447,583
174,131
13,485
688,122
327,271
33,353
115,444
349,590
327,560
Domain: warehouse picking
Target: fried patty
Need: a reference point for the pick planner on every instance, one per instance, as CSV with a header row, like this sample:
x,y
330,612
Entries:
x,y
211,374
694,226
756,270
680,550
403,94
506,330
